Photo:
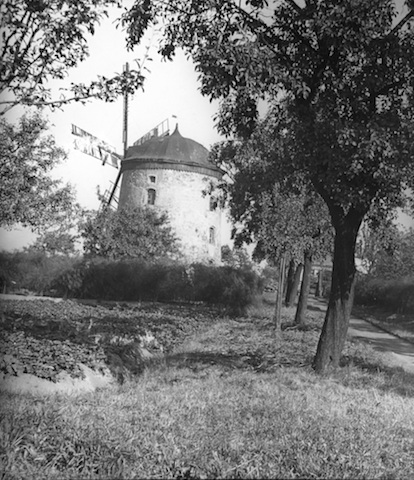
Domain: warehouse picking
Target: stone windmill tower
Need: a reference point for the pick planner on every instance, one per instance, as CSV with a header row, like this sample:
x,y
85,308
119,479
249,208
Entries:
x,y
170,172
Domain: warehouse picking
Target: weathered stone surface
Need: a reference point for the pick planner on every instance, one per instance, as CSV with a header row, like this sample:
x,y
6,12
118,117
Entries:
x,y
178,191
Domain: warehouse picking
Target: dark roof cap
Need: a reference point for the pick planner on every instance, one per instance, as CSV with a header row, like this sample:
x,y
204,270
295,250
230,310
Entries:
x,y
172,150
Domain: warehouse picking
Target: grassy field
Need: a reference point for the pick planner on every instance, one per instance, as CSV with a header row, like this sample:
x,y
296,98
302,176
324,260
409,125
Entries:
x,y
227,399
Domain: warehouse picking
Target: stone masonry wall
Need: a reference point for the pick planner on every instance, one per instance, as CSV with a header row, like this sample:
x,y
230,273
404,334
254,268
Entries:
x,y
180,194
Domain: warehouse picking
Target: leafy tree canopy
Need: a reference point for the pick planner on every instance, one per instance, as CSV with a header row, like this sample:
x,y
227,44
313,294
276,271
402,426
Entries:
x,y
345,68
236,257
55,242
129,232
41,40
277,210
388,252
339,77
28,195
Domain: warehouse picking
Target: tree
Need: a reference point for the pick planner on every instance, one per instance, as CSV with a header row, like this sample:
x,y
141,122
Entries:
x,y
41,41
237,257
346,69
299,225
60,239
28,195
130,232
387,251
292,281
55,242
279,212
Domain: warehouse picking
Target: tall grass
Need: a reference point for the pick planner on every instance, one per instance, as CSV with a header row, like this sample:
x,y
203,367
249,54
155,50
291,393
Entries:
x,y
174,423
230,401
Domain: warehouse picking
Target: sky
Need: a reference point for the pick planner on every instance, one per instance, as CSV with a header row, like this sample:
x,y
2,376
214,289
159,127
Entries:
x,y
170,88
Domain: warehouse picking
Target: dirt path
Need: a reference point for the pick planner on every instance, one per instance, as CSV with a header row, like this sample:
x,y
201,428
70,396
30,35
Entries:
x,y
401,352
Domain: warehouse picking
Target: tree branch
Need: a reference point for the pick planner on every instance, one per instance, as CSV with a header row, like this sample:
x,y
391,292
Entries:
x,y
401,23
294,5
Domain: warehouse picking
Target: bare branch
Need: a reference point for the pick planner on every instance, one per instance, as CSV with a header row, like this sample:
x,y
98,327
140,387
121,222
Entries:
x,y
402,22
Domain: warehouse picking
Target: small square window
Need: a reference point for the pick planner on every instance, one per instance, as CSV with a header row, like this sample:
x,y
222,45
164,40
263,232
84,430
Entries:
x,y
152,179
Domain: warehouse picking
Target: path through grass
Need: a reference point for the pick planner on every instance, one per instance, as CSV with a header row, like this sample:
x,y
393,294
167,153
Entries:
x,y
226,402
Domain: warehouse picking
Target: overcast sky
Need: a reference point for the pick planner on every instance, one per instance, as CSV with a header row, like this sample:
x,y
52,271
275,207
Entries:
x,y
171,88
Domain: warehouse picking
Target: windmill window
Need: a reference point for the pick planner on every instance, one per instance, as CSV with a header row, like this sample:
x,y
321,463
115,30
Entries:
x,y
151,196
212,236
152,179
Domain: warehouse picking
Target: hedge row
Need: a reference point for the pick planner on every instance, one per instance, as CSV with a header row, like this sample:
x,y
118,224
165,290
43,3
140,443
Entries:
x,y
133,280
31,271
396,295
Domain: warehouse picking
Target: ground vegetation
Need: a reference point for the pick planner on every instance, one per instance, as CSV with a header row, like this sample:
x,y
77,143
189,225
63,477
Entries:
x,y
224,401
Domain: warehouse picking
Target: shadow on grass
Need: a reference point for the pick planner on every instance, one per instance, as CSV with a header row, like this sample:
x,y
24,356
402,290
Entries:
x,y
317,307
353,373
198,361
385,378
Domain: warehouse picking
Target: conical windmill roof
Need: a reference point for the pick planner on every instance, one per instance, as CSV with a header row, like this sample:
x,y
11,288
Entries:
x,y
170,152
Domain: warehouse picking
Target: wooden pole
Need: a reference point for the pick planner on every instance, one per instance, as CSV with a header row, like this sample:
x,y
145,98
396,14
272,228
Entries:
x,y
124,137
279,298
125,126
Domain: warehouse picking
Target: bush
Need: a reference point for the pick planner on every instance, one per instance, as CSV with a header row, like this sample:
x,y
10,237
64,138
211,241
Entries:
x,y
130,280
136,280
396,295
32,271
232,288
8,272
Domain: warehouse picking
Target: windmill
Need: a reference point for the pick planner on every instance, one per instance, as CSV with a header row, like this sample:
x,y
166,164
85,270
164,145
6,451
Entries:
x,y
169,173
101,150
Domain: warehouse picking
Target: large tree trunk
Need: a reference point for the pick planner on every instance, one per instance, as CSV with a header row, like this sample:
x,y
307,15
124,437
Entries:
x,y
335,328
279,295
304,290
295,285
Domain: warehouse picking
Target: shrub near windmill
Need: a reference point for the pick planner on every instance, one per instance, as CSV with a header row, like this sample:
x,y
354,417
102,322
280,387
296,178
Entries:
x,y
169,173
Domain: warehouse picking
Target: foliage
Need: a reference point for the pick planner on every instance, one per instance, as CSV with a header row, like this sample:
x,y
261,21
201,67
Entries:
x,y
387,251
132,279
62,238
28,195
41,41
8,271
236,257
32,270
339,77
46,358
130,232
58,241
396,295
295,224
45,338
284,217
281,215
232,289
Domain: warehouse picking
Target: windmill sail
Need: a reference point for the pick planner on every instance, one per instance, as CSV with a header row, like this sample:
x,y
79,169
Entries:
x,y
160,130
93,146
